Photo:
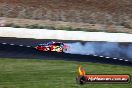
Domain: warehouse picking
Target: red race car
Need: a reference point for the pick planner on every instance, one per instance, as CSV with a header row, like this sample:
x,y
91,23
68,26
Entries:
x,y
52,46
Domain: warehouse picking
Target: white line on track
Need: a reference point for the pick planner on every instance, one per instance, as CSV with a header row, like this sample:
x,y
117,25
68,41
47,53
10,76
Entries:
x,y
126,60
120,59
114,58
95,55
28,46
12,44
107,57
101,56
4,43
20,45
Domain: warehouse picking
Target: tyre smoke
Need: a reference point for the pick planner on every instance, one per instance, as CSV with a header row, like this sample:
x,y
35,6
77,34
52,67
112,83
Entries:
x,y
101,48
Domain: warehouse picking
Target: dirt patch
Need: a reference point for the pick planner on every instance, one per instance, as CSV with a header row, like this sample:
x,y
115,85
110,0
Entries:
x,y
88,11
63,25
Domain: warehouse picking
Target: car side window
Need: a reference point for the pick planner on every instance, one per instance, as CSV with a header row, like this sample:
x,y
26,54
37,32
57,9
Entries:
x,y
57,44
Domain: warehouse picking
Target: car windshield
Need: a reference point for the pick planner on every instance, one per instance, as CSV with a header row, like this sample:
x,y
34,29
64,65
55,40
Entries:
x,y
42,44
49,43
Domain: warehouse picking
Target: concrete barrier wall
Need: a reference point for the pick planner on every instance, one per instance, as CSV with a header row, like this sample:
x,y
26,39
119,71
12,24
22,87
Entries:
x,y
64,35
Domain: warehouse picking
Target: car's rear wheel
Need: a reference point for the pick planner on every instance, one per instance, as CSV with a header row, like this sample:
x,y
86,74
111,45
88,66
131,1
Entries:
x,y
47,49
64,50
59,49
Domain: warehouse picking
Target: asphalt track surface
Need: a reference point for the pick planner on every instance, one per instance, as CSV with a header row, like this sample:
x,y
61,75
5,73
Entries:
x,y
24,49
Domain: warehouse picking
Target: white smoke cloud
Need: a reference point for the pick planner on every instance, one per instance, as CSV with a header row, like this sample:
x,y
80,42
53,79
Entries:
x,y
101,48
78,48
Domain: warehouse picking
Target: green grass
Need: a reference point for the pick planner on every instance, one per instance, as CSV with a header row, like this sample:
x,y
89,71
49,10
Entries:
x,y
34,73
